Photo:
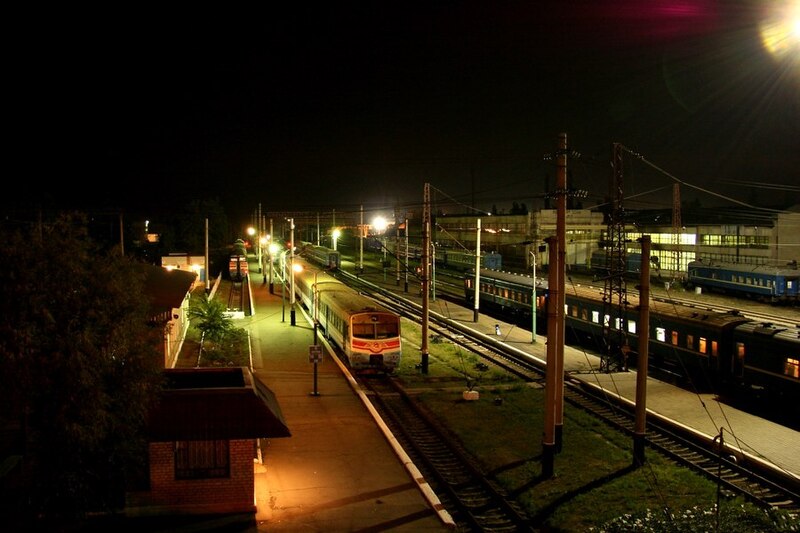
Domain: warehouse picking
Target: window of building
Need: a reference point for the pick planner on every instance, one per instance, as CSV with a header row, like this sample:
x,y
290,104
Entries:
x,y
792,368
202,459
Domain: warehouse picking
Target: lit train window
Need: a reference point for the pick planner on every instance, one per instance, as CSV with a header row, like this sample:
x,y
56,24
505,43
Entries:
x,y
702,345
714,348
606,321
690,342
596,317
584,314
631,326
674,338
661,334
792,368
363,331
574,311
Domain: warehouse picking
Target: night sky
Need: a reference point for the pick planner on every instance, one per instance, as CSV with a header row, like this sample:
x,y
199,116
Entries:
x,y
340,104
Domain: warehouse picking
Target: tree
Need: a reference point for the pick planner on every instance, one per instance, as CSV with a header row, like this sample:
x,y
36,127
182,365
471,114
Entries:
x,y
79,368
212,320
228,344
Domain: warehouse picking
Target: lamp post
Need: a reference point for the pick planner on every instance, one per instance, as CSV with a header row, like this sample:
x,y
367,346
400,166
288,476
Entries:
x,y
533,301
433,272
283,285
336,233
297,267
273,249
291,265
264,245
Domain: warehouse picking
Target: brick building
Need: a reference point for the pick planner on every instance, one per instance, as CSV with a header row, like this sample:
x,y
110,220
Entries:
x,y
203,442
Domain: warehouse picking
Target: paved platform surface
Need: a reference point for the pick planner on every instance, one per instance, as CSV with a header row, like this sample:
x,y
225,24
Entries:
x,y
338,471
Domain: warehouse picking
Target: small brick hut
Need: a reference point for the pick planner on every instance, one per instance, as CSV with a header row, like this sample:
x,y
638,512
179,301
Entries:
x,y
202,441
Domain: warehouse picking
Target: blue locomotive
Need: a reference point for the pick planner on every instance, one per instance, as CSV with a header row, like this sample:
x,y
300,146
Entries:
x,y
763,283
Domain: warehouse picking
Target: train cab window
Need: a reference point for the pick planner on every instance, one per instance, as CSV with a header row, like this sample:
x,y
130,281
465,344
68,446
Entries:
x,y
385,330
363,331
596,317
792,368
661,334
702,345
690,342
674,338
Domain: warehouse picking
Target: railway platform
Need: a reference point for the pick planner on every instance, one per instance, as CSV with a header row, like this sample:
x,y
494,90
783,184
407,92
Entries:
x,y
340,470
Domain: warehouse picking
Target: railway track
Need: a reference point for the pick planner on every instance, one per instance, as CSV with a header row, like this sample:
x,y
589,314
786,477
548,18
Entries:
x,y
760,484
474,501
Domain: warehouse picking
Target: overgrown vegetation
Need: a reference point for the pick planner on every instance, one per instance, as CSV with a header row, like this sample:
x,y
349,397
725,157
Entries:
x,y
220,342
595,487
79,369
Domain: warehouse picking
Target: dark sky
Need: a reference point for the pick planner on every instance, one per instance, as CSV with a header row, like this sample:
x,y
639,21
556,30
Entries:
x,y
338,104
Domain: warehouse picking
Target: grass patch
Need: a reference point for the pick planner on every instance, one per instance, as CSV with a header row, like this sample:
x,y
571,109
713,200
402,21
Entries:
x,y
594,483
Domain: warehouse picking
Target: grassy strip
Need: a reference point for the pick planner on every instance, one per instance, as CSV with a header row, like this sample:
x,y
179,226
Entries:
x,y
594,480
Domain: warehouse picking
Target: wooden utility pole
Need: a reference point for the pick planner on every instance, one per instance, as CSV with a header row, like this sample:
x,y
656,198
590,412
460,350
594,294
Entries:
x,y
426,267
551,381
561,233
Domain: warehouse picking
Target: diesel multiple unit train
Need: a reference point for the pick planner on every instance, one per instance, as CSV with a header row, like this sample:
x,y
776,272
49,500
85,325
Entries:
x,y
712,351
367,333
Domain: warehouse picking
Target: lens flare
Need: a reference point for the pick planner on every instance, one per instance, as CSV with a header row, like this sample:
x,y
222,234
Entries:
x,y
780,31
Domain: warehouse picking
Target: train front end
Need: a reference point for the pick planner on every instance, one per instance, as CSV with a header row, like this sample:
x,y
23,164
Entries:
x,y
374,342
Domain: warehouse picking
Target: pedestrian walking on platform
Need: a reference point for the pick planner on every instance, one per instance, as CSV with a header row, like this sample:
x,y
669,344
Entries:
x,y
497,329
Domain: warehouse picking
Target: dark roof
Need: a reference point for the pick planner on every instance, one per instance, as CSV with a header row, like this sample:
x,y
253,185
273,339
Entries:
x,y
215,403
166,289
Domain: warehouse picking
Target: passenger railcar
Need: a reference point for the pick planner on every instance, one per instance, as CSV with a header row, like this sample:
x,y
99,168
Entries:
x,y
237,263
763,283
322,256
367,333
465,260
710,350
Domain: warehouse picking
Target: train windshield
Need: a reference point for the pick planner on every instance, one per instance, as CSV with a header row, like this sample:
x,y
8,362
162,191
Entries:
x,y
376,330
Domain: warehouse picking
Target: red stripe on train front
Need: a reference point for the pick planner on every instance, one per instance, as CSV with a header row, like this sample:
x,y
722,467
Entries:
x,y
376,346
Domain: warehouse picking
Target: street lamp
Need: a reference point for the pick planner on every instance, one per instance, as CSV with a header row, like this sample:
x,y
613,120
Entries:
x,y
283,285
336,234
297,267
533,301
273,249
380,224
263,245
251,231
